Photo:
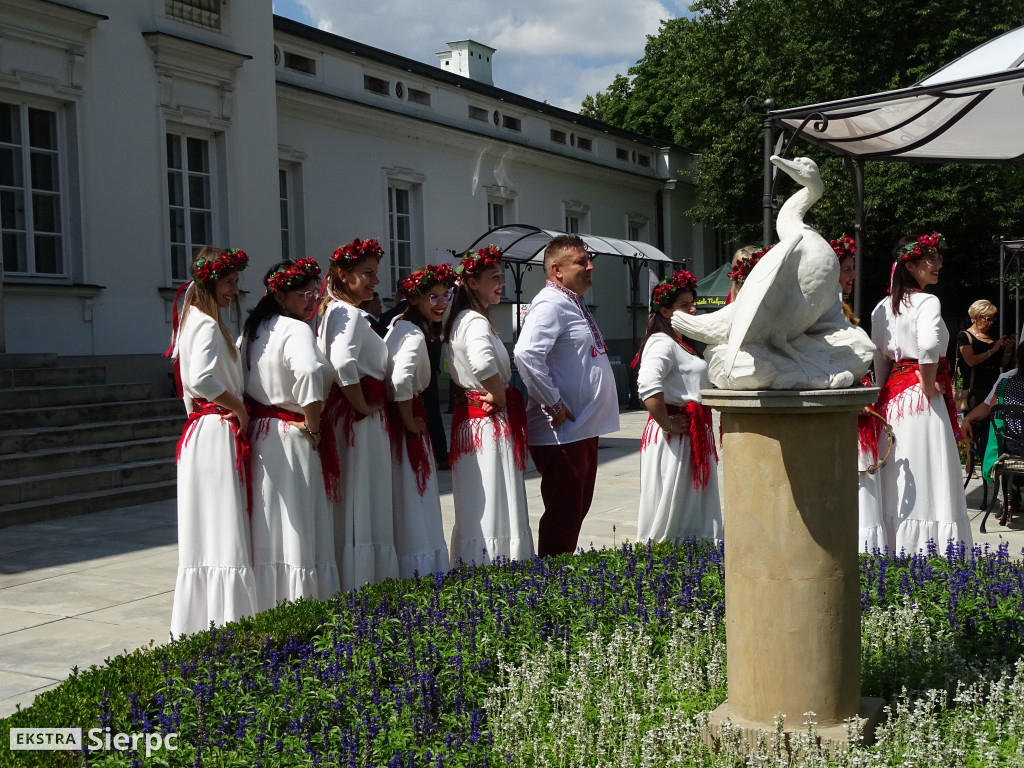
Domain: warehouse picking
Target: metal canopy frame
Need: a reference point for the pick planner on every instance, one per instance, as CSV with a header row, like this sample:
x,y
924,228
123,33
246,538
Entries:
x,y
522,247
1009,254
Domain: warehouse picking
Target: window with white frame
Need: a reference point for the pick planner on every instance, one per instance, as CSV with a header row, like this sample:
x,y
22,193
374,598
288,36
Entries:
x,y
190,191
577,217
31,203
284,189
400,230
495,213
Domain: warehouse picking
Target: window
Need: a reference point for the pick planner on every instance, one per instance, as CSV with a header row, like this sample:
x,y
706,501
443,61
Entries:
x,y
572,224
419,97
495,214
31,206
577,217
286,216
299,63
201,13
622,154
476,113
400,231
376,85
585,145
511,123
190,199
644,161
558,136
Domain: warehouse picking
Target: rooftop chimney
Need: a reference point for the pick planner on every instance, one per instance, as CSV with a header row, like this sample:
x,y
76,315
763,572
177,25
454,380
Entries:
x,y
469,59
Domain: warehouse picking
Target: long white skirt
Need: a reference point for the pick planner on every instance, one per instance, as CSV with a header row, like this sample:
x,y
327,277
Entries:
x,y
292,529
871,529
671,509
922,495
491,518
419,531
364,537
215,578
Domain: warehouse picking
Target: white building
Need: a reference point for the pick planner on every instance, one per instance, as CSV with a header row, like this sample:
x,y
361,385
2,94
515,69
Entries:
x,y
131,132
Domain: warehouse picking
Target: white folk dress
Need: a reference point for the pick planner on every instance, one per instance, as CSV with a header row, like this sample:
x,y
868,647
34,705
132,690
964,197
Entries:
x,y
215,579
419,531
921,487
364,539
671,508
489,490
292,528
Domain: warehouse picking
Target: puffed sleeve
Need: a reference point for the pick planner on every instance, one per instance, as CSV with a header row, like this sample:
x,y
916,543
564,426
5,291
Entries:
x,y
202,363
655,366
929,321
541,329
406,347
479,345
344,339
306,365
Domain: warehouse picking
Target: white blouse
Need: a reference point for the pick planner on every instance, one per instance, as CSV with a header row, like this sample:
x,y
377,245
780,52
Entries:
x,y
916,333
477,352
408,361
209,365
284,366
354,349
669,369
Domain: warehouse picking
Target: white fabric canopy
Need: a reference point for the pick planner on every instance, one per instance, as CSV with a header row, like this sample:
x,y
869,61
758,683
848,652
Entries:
x,y
971,110
526,243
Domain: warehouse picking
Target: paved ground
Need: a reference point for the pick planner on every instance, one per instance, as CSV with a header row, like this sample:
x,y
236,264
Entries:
x,y
76,591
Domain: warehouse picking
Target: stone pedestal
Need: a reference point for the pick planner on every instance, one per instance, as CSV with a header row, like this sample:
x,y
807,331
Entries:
x,y
792,583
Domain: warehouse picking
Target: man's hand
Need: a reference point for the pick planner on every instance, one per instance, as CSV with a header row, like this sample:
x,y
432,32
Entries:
x,y
556,419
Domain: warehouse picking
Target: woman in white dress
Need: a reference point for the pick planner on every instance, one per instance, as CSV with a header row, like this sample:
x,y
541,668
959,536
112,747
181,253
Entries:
x,y
488,444
364,539
215,580
286,382
678,461
921,492
419,532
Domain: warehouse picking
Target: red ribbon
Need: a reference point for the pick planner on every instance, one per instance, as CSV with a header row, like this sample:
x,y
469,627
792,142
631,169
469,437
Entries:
x,y
702,439
328,449
469,420
243,451
178,386
417,446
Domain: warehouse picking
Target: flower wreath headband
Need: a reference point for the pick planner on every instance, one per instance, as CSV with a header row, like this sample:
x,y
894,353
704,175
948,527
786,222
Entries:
x,y
666,291
475,263
231,260
923,247
843,246
421,281
292,276
741,269
347,256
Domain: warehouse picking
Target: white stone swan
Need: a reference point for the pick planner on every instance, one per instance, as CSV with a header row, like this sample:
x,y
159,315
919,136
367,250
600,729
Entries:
x,y
785,329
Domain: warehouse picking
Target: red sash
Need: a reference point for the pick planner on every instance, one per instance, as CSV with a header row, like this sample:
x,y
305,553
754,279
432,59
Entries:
x,y
702,439
469,420
417,446
328,449
894,404
243,452
340,411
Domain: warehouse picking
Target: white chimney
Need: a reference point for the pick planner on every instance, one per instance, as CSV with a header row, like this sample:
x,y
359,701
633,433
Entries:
x,y
469,59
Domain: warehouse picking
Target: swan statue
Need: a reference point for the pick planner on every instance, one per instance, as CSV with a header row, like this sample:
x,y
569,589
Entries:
x,y
785,329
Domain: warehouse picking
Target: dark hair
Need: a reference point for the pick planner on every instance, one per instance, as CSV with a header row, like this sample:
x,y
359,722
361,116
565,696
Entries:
x,y
464,299
903,283
658,323
560,244
430,328
267,307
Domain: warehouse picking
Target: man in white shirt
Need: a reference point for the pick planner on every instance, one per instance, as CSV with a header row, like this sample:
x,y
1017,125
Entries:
x,y
563,360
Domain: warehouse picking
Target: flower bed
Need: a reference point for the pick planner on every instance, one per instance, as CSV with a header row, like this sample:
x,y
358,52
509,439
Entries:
x,y
604,658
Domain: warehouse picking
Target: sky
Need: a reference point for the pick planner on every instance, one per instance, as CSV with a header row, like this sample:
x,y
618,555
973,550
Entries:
x,y
556,51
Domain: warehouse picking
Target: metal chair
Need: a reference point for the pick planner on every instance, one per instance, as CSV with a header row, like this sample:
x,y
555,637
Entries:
x,y
1008,428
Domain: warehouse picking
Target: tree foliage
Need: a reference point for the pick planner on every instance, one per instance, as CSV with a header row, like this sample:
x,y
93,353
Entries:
x,y
696,73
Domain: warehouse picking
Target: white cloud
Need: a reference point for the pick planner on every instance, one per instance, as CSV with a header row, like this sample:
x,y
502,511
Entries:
x,y
550,51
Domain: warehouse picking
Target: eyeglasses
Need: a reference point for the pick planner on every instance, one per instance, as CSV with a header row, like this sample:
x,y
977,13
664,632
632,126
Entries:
x,y
308,295
988,318
935,261
445,297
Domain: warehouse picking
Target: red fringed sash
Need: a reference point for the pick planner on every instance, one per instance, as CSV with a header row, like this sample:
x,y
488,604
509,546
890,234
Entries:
x,y
702,439
417,446
469,422
243,452
893,403
340,411
327,450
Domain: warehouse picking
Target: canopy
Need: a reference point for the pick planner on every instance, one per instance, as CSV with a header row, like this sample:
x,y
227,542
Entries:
x,y
969,111
713,289
525,243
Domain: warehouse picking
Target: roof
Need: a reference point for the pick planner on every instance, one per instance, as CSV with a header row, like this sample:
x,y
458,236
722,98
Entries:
x,y
525,243
970,110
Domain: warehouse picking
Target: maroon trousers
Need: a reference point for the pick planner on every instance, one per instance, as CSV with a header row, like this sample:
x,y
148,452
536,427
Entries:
x,y
567,475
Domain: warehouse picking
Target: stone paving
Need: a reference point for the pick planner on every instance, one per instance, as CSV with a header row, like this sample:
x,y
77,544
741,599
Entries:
x,y
76,591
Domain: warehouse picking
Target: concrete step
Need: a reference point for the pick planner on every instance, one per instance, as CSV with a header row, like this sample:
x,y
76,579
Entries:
x,y
80,503
27,360
52,377
129,409
17,398
101,478
45,462
25,440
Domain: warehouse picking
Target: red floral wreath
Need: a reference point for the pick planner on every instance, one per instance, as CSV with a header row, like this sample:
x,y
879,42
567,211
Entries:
x,y
292,276
347,256
232,260
666,291
923,247
741,269
475,263
844,246
423,280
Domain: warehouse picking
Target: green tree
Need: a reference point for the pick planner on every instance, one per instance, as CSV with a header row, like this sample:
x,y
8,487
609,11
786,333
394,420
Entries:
x,y
696,73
